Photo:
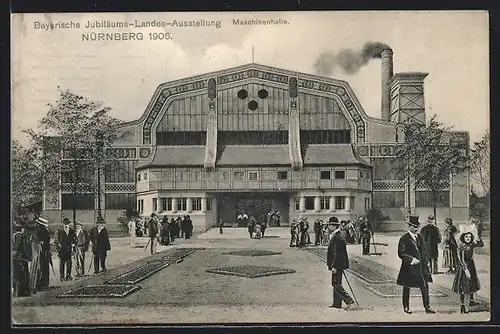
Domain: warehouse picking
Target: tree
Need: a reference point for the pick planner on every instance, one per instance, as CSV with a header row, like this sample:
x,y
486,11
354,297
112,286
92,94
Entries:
x,y
480,163
27,179
429,155
72,141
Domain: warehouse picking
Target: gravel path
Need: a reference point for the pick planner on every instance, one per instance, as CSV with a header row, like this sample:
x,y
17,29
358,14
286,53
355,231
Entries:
x,y
185,293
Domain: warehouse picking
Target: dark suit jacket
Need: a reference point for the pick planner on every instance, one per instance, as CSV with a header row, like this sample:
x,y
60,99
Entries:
x,y
153,228
413,275
100,241
337,253
65,242
431,237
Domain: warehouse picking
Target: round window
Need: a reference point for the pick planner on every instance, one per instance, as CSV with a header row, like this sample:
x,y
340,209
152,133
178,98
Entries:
x,y
253,105
263,94
242,94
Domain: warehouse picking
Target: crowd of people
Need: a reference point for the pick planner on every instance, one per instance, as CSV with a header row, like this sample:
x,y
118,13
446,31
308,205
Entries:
x,y
300,237
162,231
32,253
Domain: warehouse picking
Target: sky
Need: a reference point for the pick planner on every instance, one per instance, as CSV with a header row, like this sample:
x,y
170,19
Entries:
x,y
453,47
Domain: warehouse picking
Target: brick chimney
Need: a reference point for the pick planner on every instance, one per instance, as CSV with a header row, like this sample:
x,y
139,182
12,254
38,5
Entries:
x,y
387,73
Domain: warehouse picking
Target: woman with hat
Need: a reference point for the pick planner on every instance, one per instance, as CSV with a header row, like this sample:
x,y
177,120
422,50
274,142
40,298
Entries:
x,y
466,281
414,272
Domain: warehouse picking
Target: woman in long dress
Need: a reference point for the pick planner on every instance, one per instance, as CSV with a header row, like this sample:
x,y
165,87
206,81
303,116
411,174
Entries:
x,y
466,281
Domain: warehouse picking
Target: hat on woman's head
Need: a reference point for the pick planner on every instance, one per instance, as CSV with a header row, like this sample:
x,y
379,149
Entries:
x,y
467,228
66,221
333,220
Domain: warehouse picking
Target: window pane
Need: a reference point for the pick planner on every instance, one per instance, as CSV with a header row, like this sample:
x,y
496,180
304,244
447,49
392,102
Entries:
x,y
325,175
340,174
339,202
309,203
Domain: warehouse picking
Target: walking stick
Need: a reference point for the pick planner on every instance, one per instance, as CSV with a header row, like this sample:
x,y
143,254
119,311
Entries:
x,y
350,288
90,265
147,244
374,246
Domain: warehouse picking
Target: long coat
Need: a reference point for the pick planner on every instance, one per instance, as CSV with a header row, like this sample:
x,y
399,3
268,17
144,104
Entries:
x,y
65,242
100,241
412,276
432,237
336,256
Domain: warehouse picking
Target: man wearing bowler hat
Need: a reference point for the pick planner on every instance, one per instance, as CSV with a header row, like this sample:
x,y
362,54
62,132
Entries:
x,y
100,244
414,272
338,261
65,243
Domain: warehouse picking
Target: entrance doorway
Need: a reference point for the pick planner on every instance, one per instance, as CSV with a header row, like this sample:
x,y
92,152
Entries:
x,y
258,205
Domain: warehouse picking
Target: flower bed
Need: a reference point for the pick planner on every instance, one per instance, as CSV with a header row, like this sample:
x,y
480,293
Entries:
x,y
137,275
252,252
394,291
250,271
100,291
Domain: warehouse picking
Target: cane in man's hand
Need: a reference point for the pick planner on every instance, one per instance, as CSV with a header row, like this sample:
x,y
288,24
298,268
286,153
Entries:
x,y
149,240
350,288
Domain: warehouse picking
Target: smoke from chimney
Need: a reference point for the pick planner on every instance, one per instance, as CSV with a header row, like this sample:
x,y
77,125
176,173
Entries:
x,y
350,61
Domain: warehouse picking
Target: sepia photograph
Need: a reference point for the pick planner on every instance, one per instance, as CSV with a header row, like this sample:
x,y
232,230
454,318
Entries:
x,y
181,168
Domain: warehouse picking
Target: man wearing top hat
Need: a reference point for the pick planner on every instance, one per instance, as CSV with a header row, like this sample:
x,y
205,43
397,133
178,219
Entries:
x,y
414,272
100,244
45,254
65,241
82,245
338,261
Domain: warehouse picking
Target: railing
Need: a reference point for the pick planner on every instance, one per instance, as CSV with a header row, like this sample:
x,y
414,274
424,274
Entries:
x,y
265,185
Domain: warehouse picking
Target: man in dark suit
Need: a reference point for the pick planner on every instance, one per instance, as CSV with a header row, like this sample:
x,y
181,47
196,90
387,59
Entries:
x,y
100,244
338,261
153,232
65,242
317,232
365,230
414,272
432,238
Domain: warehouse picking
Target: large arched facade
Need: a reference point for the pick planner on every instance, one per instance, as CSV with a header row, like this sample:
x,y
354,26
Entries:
x,y
252,139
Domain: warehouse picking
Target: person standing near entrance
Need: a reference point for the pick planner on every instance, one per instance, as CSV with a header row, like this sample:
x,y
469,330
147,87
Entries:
x,y
65,242
131,231
414,272
317,232
338,261
365,230
153,232
189,227
432,238
100,245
